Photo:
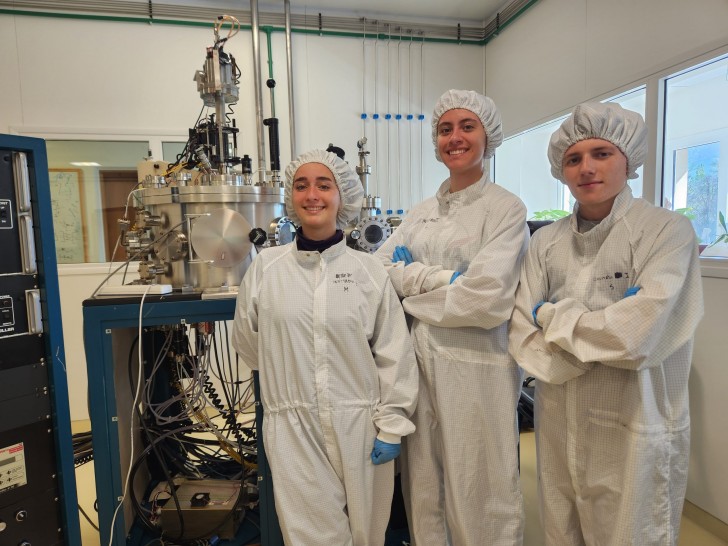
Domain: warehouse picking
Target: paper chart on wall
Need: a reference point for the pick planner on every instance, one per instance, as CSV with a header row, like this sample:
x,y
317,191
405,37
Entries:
x,y
68,215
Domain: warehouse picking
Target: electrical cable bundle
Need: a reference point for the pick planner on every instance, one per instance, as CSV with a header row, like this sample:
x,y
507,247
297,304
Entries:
x,y
187,159
189,430
83,450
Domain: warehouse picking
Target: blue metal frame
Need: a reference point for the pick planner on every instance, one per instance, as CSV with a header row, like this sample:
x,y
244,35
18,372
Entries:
x,y
270,528
99,321
52,326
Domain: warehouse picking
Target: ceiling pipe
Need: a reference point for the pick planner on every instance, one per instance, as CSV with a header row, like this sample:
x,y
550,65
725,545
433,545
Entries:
x,y
255,31
289,62
120,11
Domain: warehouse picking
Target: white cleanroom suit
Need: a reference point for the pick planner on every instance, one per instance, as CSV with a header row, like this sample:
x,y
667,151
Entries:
x,y
461,477
612,416
328,336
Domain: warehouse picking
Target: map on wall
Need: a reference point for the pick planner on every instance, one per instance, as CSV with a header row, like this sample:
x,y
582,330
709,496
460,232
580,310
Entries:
x,y
68,214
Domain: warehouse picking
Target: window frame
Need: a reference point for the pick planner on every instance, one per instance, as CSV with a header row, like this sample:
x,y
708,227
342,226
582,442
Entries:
x,y
154,140
656,115
655,86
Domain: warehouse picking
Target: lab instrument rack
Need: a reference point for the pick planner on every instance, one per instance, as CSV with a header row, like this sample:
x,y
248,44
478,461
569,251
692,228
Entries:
x,y
38,502
108,324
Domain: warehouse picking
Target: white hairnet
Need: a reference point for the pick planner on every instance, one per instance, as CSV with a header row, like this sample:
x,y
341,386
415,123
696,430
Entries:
x,y
350,187
607,121
478,104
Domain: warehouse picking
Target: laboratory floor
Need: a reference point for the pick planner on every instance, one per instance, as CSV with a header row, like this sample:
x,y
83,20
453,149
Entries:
x,y
692,533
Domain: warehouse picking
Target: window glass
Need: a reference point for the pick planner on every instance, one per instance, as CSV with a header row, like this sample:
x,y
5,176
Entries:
x,y
522,166
90,182
170,150
695,170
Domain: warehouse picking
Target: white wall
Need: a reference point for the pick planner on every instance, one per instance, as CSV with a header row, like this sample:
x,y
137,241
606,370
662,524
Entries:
x,y
123,81
76,283
328,77
562,52
708,388
10,105
91,78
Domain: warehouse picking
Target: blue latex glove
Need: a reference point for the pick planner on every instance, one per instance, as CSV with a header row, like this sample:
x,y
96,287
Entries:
x,y
397,255
402,254
384,452
631,291
535,312
455,276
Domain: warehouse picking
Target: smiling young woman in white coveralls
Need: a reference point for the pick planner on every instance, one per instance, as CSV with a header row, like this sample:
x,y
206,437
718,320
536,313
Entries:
x,y
325,329
455,260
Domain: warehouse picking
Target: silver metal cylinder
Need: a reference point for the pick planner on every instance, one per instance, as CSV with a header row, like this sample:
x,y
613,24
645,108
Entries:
x,y
221,180
221,151
370,204
255,31
181,265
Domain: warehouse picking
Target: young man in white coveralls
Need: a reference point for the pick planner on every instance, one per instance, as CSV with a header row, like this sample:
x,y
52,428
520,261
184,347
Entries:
x,y
606,310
